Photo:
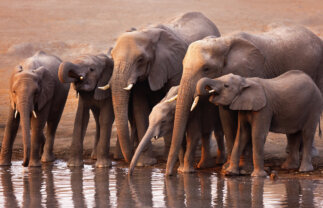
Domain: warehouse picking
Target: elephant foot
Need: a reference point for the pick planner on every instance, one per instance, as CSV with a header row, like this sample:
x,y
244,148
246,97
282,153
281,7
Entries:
x,y
5,162
75,163
103,163
289,165
34,163
146,160
184,169
259,173
306,167
225,165
48,158
230,171
207,163
246,167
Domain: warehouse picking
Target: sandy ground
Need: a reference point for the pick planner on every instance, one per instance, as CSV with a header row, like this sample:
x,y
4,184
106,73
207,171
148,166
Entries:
x,y
69,28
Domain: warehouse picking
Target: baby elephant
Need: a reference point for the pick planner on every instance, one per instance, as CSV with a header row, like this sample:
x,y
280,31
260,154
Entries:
x,y
202,122
289,104
37,97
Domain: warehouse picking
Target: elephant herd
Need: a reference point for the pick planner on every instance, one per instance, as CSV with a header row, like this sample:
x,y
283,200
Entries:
x,y
182,81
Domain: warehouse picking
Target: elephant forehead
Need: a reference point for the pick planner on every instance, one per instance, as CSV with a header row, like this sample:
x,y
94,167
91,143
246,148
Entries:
x,y
131,43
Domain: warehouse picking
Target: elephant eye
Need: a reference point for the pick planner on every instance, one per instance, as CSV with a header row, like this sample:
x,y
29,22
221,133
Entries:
x,y
206,69
140,60
91,69
226,85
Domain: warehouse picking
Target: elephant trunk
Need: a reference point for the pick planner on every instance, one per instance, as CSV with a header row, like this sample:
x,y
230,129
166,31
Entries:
x,y
150,133
120,99
183,104
67,72
25,111
204,86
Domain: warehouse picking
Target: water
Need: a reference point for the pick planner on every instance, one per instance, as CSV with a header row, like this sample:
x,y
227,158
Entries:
x,y
59,186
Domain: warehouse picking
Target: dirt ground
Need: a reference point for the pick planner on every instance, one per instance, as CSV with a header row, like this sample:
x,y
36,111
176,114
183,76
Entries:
x,y
70,28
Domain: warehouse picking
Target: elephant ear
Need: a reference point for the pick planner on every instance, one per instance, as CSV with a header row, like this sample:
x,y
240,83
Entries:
x,y
169,53
243,57
104,78
252,97
47,86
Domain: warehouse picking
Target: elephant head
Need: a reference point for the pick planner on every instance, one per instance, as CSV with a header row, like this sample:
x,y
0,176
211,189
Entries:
x,y
154,55
87,72
161,121
30,90
210,57
234,91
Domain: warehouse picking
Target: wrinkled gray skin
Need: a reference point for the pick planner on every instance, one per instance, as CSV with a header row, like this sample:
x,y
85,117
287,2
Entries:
x,y
34,85
203,120
265,55
289,104
151,60
86,72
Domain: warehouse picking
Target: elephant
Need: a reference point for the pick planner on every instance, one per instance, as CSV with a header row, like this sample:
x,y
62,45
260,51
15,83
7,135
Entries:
x,y
147,63
36,97
86,72
290,103
202,122
264,55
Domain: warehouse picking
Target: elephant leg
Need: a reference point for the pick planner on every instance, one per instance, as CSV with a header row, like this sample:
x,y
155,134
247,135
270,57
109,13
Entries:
x,y
242,139
229,124
192,138
206,160
220,155
97,132
167,142
80,125
9,137
37,127
293,143
181,155
141,112
308,134
260,128
106,120
48,154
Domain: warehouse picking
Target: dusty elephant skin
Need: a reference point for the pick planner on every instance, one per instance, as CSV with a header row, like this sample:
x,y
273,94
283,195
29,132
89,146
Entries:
x,y
202,122
36,97
86,73
247,55
289,104
146,64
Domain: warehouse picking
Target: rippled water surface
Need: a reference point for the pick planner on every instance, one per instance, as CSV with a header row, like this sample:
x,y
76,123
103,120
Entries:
x,y
59,186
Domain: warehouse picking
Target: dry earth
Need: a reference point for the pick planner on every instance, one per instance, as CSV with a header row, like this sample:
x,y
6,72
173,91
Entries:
x,y
69,28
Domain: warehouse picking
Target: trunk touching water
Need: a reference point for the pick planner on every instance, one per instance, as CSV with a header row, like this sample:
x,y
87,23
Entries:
x,y
24,111
183,105
144,141
120,99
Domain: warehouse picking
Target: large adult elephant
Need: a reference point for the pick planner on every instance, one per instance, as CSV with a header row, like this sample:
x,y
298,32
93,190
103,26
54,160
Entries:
x,y
265,55
146,64
37,97
86,72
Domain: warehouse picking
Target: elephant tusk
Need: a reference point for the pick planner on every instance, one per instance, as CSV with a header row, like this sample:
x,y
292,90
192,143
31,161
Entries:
x,y
81,77
16,113
105,87
196,100
77,94
128,87
154,138
171,99
34,114
211,91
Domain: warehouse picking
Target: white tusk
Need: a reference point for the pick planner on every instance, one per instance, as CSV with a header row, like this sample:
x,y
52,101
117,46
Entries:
x,y
34,113
81,77
105,87
16,113
196,100
77,94
128,87
211,91
171,99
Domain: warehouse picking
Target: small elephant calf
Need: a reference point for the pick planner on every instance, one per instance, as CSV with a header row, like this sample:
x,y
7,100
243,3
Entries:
x,y
290,104
202,122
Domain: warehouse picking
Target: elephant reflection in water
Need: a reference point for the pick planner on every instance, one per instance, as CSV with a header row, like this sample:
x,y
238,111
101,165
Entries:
x,y
10,199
